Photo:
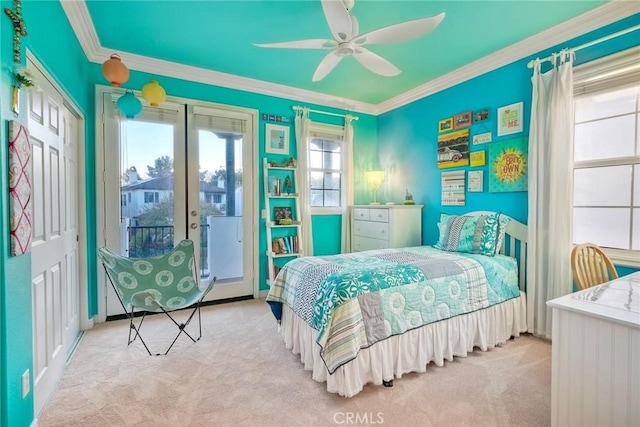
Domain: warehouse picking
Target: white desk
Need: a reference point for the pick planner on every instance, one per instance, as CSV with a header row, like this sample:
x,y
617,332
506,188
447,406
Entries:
x,y
595,370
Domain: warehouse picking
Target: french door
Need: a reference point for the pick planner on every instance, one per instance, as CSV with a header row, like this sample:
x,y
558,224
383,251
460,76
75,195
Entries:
x,y
182,171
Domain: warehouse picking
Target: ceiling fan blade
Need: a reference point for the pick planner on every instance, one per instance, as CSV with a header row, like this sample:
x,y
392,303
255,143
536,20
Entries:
x,y
338,19
301,44
401,32
327,64
376,63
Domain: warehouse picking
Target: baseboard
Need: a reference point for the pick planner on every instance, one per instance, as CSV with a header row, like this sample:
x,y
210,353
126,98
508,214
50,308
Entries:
x,y
205,303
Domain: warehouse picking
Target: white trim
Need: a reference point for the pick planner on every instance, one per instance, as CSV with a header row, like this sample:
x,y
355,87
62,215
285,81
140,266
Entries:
x,y
80,21
580,25
626,258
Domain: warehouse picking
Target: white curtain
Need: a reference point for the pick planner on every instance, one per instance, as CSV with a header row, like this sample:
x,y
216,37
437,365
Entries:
x,y
302,124
348,169
550,192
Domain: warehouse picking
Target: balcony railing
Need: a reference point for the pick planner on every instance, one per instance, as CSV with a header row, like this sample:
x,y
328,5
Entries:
x,y
154,240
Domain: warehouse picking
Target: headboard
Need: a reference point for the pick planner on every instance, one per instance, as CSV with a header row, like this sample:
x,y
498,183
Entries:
x,y
515,245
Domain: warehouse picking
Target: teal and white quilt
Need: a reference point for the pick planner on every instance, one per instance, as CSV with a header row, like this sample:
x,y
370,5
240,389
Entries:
x,y
355,300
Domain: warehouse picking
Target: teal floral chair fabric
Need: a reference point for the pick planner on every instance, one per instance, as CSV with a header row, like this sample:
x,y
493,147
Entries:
x,y
159,284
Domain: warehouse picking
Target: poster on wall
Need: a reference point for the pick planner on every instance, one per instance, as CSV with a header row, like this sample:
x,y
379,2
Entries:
x,y
453,184
475,181
19,188
453,149
510,119
508,165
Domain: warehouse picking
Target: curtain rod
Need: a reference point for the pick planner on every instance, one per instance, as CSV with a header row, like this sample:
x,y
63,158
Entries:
x,y
591,43
298,108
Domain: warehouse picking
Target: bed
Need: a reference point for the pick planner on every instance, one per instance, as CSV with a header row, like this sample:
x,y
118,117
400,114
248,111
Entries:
x,y
371,317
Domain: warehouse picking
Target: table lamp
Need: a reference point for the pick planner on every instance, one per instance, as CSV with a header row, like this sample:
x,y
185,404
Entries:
x,y
374,180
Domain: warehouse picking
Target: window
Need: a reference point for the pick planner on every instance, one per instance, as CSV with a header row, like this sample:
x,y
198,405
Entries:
x,y
123,201
326,166
606,168
151,197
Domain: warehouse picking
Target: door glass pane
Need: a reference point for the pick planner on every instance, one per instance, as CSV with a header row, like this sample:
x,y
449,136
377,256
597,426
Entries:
x,y
221,208
146,188
606,186
607,227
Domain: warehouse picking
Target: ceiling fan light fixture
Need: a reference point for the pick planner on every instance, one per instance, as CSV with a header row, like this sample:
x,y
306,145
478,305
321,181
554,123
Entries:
x,y
114,70
154,93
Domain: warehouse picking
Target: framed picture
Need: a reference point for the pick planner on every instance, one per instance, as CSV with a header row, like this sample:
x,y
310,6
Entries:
x,y
453,149
445,125
508,165
276,139
282,215
481,115
510,119
462,120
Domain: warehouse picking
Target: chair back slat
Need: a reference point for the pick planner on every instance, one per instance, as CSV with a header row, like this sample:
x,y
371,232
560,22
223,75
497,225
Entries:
x,y
591,266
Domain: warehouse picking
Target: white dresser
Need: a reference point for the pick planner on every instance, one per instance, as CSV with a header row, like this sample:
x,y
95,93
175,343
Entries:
x,y
385,226
595,368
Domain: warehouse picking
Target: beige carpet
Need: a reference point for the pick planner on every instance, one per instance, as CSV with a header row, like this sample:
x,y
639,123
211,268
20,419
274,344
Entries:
x,y
240,374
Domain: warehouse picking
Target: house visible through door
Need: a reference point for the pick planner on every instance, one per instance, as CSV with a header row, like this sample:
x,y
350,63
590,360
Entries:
x,y
182,171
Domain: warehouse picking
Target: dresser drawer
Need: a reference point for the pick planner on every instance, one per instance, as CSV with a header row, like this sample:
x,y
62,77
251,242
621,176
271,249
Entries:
x,y
376,230
361,214
359,244
380,215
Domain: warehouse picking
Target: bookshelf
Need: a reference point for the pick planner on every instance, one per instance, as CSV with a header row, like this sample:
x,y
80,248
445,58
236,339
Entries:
x,y
282,210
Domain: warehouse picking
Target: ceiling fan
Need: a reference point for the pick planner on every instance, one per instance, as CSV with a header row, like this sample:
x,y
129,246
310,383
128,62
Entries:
x,y
347,42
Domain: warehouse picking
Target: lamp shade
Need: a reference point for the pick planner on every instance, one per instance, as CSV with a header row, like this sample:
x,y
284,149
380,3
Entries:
x,y
374,179
129,105
115,71
154,93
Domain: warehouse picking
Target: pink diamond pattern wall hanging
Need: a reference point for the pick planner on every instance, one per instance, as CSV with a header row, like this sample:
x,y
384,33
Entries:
x,y
19,188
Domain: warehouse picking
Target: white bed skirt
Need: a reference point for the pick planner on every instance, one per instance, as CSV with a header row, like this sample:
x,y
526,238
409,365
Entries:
x,y
411,351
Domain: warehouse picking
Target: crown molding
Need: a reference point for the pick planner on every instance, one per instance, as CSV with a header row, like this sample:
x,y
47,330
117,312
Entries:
x,y
80,20
581,24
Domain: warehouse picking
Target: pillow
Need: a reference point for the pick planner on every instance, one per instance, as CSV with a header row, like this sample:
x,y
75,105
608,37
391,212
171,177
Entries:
x,y
468,234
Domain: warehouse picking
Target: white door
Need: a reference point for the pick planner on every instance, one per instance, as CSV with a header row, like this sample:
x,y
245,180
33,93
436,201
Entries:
x,y
54,257
164,184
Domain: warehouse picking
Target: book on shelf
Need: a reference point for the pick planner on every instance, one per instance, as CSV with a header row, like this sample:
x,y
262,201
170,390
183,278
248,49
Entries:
x,y
285,245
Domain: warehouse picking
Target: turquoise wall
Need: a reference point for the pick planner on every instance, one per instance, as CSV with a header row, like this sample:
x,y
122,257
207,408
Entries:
x,y
407,136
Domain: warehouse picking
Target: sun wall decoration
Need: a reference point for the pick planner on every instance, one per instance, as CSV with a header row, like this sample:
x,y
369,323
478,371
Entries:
x,y
508,165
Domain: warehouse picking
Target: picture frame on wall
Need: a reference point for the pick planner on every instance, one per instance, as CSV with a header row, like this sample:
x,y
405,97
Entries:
x,y
276,139
462,120
510,119
481,115
445,125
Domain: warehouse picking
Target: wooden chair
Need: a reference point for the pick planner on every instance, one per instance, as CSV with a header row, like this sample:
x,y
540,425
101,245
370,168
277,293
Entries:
x,y
591,266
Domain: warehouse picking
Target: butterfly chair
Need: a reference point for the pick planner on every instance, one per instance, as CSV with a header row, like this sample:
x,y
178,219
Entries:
x,y
591,266
160,284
